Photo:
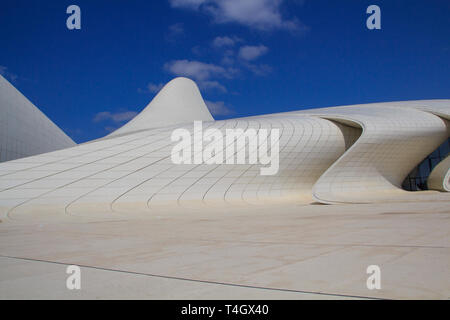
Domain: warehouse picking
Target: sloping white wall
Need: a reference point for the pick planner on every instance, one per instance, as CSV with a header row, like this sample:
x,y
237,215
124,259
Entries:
x,y
24,129
179,101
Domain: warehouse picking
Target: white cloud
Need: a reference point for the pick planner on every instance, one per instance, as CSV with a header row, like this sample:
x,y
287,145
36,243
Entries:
x,y
197,50
228,57
202,73
218,108
5,73
190,4
259,70
257,14
175,30
194,69
114,117
225,41
212,85
250,53
154,88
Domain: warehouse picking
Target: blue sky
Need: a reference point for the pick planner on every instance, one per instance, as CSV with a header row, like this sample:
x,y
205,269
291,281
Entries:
x,y
249,57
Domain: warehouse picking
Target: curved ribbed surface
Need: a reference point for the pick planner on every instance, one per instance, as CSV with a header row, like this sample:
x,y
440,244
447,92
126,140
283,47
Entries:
x,y
135,172
439,178
438,107
179,101
344,154
24,129
395,139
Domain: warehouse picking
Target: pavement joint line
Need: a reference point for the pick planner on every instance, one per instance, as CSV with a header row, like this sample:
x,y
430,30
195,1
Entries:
x,y
195,280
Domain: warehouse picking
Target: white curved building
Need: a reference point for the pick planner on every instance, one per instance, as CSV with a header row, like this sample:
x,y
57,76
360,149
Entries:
x,y
347,154
142,226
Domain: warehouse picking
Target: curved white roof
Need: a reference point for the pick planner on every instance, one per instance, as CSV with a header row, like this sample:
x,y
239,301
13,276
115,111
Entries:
x,y
343,154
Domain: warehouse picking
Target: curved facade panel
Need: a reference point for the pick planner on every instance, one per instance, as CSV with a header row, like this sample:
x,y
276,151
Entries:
x,y
24,129
394,140
136,171
439,178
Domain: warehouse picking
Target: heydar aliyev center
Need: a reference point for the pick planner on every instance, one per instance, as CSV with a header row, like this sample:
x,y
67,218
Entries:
x,y
355,186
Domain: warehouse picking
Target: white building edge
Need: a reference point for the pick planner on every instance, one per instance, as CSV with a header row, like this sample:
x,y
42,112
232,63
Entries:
x,y
24,129
346,154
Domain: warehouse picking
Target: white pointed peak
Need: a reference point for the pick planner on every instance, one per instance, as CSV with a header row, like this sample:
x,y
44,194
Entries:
x,y
179,101
24,129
